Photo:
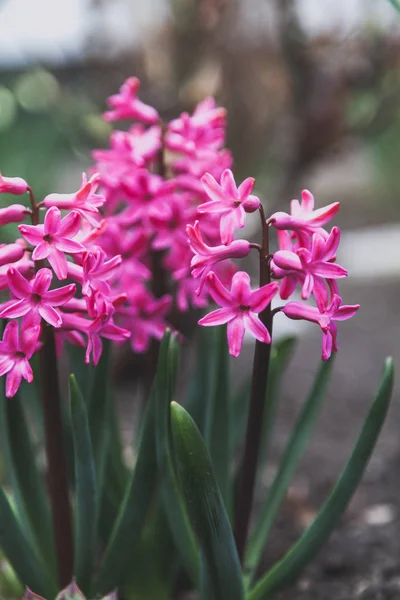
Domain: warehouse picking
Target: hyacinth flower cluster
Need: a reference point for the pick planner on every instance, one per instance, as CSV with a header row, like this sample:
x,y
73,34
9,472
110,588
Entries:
x,y
110,238
306,259
150,179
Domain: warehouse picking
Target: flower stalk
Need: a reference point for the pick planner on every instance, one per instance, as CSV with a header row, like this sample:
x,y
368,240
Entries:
x,y
262,353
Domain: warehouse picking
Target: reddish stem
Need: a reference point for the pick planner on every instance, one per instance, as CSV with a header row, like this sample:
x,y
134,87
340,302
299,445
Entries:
x,y
248,468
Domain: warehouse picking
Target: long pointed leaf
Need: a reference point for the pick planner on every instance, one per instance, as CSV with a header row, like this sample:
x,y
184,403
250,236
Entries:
x,y
86,511
171,493
217,430
291,565
207,511
21,553
25,480
124,539
290,459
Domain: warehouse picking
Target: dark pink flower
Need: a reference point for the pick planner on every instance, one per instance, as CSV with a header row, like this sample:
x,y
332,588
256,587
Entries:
x,y
53,239
10,253
15,351
325,316
239,309
207,256
303,217
202,131
85,201
126,104
15,213
13,185
309,265
229,201
34,298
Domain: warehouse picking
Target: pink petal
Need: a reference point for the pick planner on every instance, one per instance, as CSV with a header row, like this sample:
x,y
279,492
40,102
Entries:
x,y
332,243
288,285
33,234
235,335
29,340
42,281
329,270
308,286
70,225
6,364
50,314
218,317
52,221
13,381
216,206
70,246
218,291
60,296
10,338
18,309
212,189
299,310
326,345
227,227
346,312
58,261
307,200
259,299
228,185
11,253
256,328
284,259
240,288
41,251
246,187
19,286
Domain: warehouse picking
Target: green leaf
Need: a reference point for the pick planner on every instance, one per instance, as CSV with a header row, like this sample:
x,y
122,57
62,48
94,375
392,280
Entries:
x,y
206,509
25,480
20,553
199,387
86,511
290,459
280,355
124,539
171,493
291,565
218,409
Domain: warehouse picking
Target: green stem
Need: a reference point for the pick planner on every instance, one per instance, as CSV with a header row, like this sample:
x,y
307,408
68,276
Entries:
x,y
248,468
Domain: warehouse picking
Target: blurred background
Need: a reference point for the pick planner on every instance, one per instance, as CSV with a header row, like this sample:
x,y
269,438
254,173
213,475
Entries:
x,y
312,89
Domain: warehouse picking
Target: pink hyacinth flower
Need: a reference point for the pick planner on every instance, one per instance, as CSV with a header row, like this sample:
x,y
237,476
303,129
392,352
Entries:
x,y
53,239
126,105
85,201
207,256
15,213
303,217
239,309
229,200
34,298
325,317
15,351
311,265
97,271
10,253
13,185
